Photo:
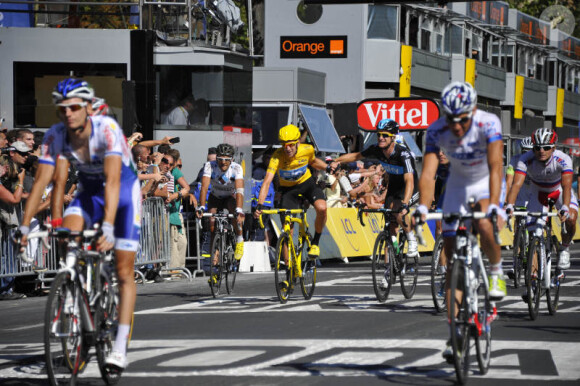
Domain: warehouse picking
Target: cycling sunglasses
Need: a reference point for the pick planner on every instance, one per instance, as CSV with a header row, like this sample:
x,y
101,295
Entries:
x,y
289,144
224,159
385,135
462,120
545,148
74,107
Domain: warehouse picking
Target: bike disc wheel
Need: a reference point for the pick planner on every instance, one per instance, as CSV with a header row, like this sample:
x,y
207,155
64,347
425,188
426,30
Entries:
x,y
483,339
107,323
437,279
308,279
533,278
553,292
380,269
519,254
216,271
459,324
63,343
283,275
232,266
408,269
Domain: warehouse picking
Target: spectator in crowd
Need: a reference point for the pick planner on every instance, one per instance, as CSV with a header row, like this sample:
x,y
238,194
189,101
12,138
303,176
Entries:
x,y
3,138
181,188
26,136
200,113
180,114
333,191
147,175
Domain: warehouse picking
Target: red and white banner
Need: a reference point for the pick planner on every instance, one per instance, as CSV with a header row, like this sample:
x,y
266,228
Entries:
x,y
575,143
410,113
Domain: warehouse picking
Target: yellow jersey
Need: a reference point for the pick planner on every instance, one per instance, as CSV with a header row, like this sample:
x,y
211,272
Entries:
x,y
292,171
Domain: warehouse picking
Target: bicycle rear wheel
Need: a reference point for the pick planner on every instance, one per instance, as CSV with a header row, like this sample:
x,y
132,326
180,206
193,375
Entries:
x,y
383,273
231,265
459,322
216,271
408,268
519,253
553,292
437,278
64,349
308,279
283,274
534,277
483,333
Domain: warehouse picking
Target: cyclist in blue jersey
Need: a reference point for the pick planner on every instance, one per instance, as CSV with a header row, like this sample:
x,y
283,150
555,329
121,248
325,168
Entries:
x,y
109,191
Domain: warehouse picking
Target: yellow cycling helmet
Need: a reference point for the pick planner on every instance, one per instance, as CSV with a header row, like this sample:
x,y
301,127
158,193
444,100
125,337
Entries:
x,y
289,133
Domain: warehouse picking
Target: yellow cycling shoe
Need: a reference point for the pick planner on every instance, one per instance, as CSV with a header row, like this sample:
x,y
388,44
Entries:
x,y
314,251
239,251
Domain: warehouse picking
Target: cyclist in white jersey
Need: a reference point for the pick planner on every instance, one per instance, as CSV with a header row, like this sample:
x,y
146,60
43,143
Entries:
x,y
227,192
108,190
472,141
551,173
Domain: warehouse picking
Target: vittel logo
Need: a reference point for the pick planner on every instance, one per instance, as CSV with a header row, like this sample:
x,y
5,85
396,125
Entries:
x,y
411,114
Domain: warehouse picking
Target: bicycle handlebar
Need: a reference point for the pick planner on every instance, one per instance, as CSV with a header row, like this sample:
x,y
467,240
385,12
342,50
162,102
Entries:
x,y
59,233
383,211
276,211
448,217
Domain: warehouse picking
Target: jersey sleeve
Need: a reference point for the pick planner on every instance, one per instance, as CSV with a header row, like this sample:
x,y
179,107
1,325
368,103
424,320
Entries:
x,y
492,129
113,137
407,159
51,147
432,140
238,171
522,166
369,152
274,162
567,165
310,153
207,170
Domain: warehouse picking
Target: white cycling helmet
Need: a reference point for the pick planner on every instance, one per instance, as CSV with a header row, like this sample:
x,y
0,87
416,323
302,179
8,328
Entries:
x,y
526,144
73,88
544,136
458,98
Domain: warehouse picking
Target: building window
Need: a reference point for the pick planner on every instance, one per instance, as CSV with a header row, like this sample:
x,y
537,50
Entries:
x,y
508,58
309,14
414,31
426,35
552,73
453,40
439,39
382,22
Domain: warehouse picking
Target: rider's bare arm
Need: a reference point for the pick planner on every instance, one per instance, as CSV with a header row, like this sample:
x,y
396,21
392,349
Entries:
x,y
427,180
495,164
112,171
41,180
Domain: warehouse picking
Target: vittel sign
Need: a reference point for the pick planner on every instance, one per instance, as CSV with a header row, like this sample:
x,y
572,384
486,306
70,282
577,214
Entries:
x,y
410,113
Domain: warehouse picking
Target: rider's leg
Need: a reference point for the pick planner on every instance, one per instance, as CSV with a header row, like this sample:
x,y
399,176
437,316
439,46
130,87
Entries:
x,y
564,258
404,222
125,262
320,222
238,224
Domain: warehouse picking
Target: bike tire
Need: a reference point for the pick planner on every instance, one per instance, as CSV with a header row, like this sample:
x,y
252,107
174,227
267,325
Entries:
x,y
216,272
408,268
553,292
283,275
437,279
64,349
107,323
231,266
379,267
484,314
308,279
459,325
519,253
533,285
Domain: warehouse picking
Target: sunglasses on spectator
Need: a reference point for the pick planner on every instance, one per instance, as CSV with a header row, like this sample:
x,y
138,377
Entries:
x,y
385,135
224,159
61,107
462,120
545,148
166,161
23,153
179,166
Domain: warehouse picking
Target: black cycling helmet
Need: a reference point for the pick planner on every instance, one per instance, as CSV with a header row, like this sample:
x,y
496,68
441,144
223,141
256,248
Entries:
x,y
225,149
388,125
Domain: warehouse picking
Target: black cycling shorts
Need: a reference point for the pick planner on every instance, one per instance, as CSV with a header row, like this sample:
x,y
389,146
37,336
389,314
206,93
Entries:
x,y
228,203
308,189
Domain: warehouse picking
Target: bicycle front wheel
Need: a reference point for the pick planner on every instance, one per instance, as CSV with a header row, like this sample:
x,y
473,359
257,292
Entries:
x,y
483,335
438,278
283,274
534,277
64,349
308,279
459,322
231,266
553,292
217,269
382,272
408,268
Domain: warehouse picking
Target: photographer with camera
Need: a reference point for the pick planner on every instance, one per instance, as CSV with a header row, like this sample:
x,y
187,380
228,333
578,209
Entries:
x,y
332,190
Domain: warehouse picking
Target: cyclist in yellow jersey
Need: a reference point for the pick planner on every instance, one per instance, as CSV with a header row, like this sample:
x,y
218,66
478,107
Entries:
x,y
291,163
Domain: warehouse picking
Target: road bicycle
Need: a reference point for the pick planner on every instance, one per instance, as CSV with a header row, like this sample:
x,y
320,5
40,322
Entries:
x,y
470,309
390,259
292,260
223,249
542,272
82,309
520,248
438,273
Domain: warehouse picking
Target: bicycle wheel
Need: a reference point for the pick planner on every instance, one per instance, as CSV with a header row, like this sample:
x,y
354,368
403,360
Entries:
x,y
533,277
383,273
283,275
459,322
216,273
483,335
553,292
408,268
107,323
519,254
64,349
231,265
437,278
308,279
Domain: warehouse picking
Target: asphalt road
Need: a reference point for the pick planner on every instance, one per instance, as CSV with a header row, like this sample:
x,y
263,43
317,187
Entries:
x,y
342,336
